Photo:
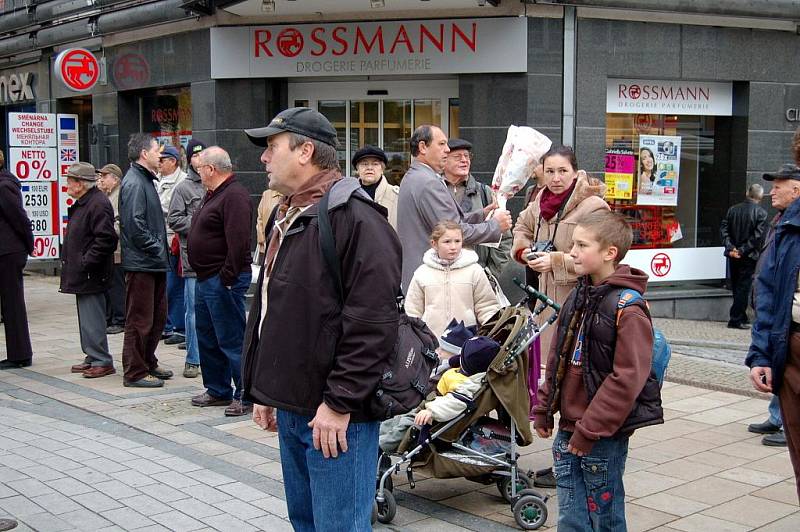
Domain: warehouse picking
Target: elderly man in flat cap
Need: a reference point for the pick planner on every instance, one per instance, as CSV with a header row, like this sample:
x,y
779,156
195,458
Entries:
x,y
87,261
109,178
370,163
774,354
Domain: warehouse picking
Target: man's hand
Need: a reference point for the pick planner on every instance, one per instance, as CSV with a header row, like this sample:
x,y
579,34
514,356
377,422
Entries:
x,y
761,379
423,417
330,428
735,254
541,264
489,208
544,432
264,417
503,218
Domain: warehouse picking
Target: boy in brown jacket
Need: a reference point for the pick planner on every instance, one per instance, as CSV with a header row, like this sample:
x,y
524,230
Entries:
x,y
599,378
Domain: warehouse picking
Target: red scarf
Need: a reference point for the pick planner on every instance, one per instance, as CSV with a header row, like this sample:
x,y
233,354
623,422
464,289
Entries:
x,y
551,203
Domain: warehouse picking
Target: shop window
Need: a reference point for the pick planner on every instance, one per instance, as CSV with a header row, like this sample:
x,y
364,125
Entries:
x,y
336,112
167,115
396,132
427,112
454,118
654,165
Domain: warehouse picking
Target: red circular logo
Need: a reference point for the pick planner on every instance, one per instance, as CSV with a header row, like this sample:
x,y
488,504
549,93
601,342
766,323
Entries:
x,y
131,71
290,42
660,264
635,91
78,69
643,123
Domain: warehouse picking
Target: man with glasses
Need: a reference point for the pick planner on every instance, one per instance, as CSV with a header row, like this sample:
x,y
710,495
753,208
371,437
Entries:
x,y
219,253
472,195
370,163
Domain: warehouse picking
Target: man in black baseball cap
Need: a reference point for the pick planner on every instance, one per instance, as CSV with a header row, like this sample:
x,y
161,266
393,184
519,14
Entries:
x,y
301,120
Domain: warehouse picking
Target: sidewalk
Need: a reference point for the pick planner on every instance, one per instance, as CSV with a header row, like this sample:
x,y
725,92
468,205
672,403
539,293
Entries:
x,y
79,454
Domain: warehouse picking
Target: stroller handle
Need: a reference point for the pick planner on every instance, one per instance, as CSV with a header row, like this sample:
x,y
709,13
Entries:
x,y
532,292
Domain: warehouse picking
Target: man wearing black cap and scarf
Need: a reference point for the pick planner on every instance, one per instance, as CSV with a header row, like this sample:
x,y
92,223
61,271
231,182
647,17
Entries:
x,y
322,354
774,355
370,163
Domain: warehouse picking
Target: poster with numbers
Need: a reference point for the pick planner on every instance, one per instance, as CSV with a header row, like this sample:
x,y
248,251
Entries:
x,y
658,170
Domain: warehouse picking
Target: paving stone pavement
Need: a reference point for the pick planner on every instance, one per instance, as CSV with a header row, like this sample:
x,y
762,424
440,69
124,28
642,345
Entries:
x,y
79,454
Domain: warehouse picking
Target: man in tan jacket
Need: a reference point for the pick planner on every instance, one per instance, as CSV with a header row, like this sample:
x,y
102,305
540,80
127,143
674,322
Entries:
x,y
108,179
370,163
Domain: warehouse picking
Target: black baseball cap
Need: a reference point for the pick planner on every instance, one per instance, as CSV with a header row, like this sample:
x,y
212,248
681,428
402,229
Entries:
x,y
459,144
369,151
786,171
301,120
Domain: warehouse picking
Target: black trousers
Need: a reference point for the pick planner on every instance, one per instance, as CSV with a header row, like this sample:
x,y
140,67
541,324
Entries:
x,y
742,271
115,297
12,300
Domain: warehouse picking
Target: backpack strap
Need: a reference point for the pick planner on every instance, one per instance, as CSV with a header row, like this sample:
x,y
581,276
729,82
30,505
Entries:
x,y
628,297
327,245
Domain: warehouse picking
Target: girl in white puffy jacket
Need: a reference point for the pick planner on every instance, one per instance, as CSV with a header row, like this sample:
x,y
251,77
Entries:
x,y
450,283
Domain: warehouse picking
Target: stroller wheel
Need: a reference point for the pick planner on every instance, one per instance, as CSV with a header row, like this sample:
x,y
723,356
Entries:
x,y
388,509
374,518
530,512
504,486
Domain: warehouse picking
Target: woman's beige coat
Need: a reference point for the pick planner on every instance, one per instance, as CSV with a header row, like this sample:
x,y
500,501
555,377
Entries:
x,y
557,284
437,293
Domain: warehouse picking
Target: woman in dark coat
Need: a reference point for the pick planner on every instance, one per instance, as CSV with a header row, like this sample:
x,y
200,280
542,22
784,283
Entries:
x,y
16,243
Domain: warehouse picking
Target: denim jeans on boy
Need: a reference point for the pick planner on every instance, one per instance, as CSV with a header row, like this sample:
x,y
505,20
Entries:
x,y
591,496
330,494
775,412
220,322
192,351
175,311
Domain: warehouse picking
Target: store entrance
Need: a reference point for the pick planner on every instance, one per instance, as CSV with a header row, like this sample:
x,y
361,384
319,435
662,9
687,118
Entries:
x,y
382,114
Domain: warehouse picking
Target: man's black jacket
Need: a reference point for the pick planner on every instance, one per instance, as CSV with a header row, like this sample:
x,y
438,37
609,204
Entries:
x,y
744,228
143,231
16,235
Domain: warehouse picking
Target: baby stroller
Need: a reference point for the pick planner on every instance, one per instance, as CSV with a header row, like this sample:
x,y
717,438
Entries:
x,y
448,450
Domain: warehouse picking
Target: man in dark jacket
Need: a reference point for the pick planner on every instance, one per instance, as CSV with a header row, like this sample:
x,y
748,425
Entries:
x,y
314,357
743,230
16,243
219,253
186,198
774,355
87,262
144,259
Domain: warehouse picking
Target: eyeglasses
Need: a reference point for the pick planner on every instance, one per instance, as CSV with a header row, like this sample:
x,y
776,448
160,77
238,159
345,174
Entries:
x,y
464,156
203,166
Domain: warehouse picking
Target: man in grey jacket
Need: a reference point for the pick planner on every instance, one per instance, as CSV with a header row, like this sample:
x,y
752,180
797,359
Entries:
x,y
186,198
144,259
424,201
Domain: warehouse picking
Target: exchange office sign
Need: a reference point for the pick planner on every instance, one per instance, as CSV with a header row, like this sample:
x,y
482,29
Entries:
x,y
635,96
16,87
371,48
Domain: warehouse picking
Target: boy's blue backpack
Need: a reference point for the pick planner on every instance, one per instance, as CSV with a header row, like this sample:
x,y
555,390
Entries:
x,y
661,349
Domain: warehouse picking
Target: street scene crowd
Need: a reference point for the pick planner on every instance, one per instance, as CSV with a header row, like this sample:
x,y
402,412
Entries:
x,y
344,270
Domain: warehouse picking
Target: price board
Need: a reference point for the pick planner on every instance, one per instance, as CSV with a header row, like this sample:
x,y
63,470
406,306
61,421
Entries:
x,y
45,247
34,164
37,200
620,166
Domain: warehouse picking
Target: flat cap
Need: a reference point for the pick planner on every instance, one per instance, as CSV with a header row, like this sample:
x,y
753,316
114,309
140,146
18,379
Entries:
x,y
369,151
459,144
111,169
81,170
786,171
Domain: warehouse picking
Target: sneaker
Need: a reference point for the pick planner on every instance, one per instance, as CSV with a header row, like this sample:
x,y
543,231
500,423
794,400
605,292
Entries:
x,y
763,428
774,440
175,339
99,371
146,382
80,368
191,371
114,329
237,408
161,373
182,346
14,364
206,399
166,334
544,478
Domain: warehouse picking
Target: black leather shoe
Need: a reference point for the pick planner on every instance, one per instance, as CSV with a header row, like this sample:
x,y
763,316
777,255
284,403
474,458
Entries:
x,y
14,364
741,326
763,428
7,524
774,440
544,479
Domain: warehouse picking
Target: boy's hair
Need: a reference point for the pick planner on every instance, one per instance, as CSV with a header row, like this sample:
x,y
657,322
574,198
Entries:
x,y
610,229
445,225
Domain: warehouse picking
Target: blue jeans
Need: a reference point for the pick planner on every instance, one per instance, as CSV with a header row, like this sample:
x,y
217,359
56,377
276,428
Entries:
x,y
775,412
220,322
192,351
175,306
591,495
331,494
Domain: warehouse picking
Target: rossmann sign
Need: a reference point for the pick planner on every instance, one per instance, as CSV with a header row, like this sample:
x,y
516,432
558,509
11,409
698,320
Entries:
x,y
669,97
370,48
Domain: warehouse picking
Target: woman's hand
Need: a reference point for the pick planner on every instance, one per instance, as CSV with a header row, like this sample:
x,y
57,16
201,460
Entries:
x,y
541,264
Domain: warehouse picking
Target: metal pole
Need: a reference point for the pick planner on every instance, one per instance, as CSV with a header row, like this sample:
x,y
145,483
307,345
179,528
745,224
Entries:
x,y
570,66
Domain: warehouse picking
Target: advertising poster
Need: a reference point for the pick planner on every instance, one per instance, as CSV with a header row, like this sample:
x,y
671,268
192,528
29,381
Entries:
x,y
658,170
67,155
620,167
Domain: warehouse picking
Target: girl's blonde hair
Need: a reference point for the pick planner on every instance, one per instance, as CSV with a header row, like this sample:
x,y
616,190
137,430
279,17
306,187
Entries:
x,y
445,225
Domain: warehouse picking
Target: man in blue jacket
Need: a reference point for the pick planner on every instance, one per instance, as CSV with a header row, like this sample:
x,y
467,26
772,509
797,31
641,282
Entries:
x,y
774,355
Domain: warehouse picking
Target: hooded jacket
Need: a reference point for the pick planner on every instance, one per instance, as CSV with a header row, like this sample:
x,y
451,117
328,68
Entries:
x,y
775,286
87,257
14,223
186,198
613,390
438,294
142,230
586,198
